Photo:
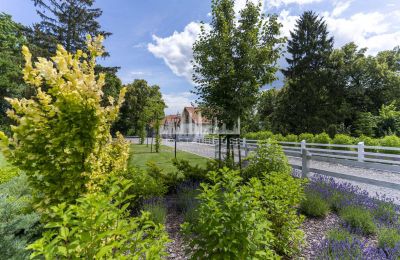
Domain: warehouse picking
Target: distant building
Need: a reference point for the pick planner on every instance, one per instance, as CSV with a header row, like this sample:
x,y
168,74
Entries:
x,y
190,125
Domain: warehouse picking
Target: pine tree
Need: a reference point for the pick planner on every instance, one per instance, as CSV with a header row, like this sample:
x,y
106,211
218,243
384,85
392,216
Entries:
x,y
304,101
66,22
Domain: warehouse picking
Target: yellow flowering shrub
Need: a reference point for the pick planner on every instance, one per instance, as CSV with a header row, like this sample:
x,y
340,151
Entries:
x,y
61,138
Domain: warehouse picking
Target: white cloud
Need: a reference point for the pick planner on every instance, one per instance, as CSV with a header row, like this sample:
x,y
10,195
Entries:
x,y
176,50
340,7
177,101
288,22
374,30
278,3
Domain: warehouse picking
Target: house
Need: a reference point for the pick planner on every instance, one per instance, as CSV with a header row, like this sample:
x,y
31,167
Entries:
x,y
190,125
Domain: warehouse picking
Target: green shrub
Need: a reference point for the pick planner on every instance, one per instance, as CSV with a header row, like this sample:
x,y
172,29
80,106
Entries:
x,y
186,198
280,194
322,138
388,238
291,138
391,141
343,139
98,226
62,139
268,157
7,173
278,137
19,223
340,235
157,210
171,179
359,219
231,223
143,186
261,135
314,206
306,136
386,212
191,172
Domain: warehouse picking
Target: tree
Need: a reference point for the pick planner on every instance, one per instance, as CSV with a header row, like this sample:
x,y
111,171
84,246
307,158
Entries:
x,y
66,22
142,106
234,60
304,103
11,82
62,139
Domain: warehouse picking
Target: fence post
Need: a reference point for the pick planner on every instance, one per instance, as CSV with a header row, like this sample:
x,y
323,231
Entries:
x,y
305,163
303,145
246,150
360,151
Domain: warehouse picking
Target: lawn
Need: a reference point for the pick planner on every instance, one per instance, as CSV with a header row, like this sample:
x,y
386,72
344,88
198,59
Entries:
x,y
141,154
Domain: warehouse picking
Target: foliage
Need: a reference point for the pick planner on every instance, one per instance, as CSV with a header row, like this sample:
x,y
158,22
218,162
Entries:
x,y
308,137
231,221
280,194
358,219
388,238
340,244
234,59
291,138
11,82
158,211
7,173
66,23
98,226
19,223
61,164
143,106
306,95
366,124
314,206
187,196
389,120
170,179
392,141
112,88
144,186
192,172
267,158
322,138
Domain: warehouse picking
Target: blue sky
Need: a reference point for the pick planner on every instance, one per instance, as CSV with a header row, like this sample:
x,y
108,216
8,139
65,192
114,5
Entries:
x,y
152,39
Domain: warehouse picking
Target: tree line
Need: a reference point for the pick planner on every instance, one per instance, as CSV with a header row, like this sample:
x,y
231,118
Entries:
x,y
336,90
68,23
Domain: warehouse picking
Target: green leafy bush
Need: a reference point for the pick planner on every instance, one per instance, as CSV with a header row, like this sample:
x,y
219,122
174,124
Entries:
x,y
231,222
171,179
278,137
391,141
143,186
267,158
62,139
157,210
291,138
314,206
388,238
386,212
306,136
98,226
7,173
322,138
280,194
359,219
19,223
340,235
261,135
191,172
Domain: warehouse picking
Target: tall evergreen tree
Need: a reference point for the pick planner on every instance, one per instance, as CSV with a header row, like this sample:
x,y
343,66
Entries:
x,y
304,103
66,22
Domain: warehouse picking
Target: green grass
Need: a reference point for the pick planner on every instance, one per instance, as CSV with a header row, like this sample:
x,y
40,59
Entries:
x,y
141,154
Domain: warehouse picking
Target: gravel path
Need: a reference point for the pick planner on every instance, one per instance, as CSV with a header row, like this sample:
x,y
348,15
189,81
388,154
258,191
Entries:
x,y
315,231
176,248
